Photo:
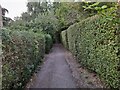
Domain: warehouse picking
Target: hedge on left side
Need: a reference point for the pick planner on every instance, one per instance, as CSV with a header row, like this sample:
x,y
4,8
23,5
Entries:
x,y
22,52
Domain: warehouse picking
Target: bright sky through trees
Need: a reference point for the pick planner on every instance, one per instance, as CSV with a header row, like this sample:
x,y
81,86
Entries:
x,y
15,7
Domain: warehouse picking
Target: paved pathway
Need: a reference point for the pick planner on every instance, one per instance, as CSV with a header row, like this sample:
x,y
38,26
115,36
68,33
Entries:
x,y
55,73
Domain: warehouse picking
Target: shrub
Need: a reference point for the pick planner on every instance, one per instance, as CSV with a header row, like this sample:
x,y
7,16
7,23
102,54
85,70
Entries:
x,y
48,42
22,52
96,45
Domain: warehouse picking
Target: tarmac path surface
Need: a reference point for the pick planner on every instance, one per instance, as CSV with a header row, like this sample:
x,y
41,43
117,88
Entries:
x,y
55,72
61,70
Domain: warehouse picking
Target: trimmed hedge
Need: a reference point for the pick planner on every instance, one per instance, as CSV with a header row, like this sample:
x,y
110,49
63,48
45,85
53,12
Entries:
x,y
64,38
48,43
22,52
96,44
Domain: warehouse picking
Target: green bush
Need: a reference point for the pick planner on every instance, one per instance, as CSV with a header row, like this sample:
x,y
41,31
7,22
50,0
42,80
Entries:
x,y
48,42
22,52
95,43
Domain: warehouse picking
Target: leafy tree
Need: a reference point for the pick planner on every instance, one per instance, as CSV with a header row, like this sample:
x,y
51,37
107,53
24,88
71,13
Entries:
x,y
26,16
93,8
69,13
6,20
4,10
35,8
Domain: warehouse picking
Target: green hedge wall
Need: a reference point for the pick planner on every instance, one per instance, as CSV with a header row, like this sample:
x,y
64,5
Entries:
x,y
48,43
22,52
64,38
96,44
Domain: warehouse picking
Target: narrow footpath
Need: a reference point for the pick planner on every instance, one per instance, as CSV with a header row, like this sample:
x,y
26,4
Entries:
x,y
56,72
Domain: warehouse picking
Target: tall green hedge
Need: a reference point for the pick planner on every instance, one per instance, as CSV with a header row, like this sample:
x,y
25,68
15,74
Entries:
x,y
96,44
48,43
22,52
64,38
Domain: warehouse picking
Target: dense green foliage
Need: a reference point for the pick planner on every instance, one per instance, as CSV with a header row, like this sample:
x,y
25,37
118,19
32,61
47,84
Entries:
x,y
22,52
95,42
69,13
92,8
24,42
48,43
45,23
